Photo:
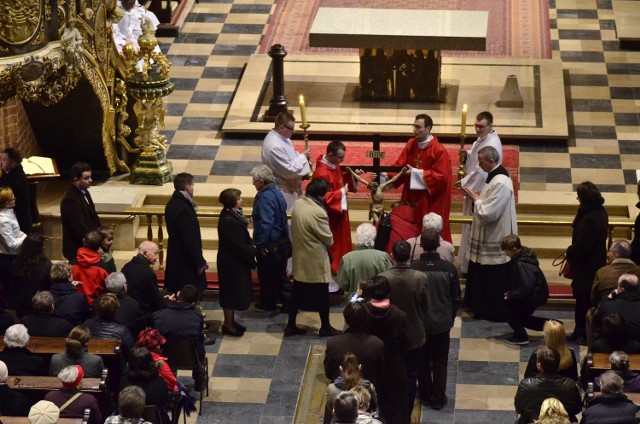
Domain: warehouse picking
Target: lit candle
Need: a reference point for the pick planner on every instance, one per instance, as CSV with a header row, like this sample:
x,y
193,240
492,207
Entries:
x,y
463,125
303,112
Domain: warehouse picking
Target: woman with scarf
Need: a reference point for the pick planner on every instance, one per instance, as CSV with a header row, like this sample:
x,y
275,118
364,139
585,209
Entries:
x,y
236,253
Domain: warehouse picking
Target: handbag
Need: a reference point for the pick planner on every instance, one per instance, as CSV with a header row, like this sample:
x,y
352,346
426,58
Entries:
x,y
283,249
565,266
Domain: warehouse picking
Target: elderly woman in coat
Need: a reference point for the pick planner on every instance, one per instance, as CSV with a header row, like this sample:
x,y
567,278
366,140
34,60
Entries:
x,y
236,254
311,238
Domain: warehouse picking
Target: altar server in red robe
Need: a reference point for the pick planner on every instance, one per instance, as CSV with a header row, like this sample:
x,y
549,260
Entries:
x,y
427,184
335,201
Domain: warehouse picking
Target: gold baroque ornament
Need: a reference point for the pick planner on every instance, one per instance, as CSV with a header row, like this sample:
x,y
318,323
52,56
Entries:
x,y
19,20
42,80
100,35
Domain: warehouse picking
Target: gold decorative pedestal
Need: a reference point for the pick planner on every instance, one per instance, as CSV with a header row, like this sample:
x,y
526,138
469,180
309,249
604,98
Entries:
x,y
152,168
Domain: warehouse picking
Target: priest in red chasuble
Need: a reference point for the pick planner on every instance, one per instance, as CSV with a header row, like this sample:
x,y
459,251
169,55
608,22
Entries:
x,y
427,184
328,168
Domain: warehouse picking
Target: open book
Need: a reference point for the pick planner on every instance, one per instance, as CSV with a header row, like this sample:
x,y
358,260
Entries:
x,y
38,165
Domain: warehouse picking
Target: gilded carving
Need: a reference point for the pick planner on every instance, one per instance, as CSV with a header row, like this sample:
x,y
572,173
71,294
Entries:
x,y
42,80
100,34
19,20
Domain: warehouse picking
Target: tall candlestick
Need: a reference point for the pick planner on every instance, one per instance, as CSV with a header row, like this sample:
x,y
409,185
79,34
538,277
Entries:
x,y
463,125
303,112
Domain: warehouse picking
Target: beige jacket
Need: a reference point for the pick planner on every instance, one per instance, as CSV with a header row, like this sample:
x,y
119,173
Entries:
x,y
311,237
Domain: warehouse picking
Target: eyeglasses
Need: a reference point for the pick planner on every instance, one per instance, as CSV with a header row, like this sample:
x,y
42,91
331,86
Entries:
x,y
478,126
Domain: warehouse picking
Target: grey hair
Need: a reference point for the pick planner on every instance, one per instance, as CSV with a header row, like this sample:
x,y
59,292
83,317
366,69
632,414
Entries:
x,y
619,361
432,221
68,374
262,173
115,282
490,153
366,235
16,336
622,248
611,383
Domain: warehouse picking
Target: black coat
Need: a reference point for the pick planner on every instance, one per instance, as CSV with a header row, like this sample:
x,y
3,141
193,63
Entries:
x,y
635,243
610,409
78,218
626,304
368,349
13,403
184,246
236,254
527,282
16,179
20,361
534,390
180,320
70,303
47,325
27,286
142,285
390,325
588,250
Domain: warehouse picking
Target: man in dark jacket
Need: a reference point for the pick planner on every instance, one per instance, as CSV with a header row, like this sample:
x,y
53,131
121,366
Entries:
x,y
408,294
70,304
270,234
77,211
443,301
142,282
528,290
612,406
368,349
12,403
181,320
13,176
185,263
547,383
19,359
625,300
43,321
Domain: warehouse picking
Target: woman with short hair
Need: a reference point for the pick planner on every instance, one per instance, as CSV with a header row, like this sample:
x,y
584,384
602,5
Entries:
x,y
11,238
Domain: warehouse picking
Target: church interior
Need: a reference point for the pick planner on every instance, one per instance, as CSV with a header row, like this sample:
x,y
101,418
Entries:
x,y
576,65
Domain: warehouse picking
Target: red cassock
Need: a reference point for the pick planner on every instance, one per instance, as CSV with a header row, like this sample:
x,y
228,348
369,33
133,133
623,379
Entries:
x,y
436,165
338,219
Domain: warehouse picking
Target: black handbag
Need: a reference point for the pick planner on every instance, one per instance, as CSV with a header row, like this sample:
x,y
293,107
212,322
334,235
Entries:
x,y
283,249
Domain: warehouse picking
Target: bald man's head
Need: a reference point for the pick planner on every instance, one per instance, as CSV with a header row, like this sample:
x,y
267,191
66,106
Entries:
x,y
149,250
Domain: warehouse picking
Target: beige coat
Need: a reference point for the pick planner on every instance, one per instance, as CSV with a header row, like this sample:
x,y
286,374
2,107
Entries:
x,y
311,237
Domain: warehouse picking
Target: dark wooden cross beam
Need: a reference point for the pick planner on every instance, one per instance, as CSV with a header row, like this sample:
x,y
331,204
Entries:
x,y
376,154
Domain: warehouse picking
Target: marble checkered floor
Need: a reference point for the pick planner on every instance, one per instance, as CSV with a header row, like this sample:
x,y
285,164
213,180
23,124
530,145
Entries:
x,y
256,379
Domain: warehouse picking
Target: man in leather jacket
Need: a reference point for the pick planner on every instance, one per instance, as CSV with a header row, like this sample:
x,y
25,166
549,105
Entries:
x,y
546,383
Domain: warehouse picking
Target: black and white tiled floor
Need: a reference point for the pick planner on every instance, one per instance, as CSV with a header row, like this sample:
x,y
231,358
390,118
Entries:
x,y
256,379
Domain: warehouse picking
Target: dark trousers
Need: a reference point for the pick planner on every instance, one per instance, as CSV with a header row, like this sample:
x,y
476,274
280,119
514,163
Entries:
x,y
583,303
519,317
432,373
274,284
412,362
310,297
7,292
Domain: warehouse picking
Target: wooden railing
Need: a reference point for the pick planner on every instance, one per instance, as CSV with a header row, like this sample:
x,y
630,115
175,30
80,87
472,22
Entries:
x,y
158,213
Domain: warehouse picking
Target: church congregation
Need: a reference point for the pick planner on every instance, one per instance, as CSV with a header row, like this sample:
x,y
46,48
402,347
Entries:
x,y
402,306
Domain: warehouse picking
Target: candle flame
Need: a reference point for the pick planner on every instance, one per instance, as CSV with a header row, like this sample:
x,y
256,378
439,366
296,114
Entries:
x,y
301,98
464,107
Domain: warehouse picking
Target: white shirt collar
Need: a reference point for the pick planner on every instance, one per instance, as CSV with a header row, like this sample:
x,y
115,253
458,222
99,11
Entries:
x,y
423,144
326,162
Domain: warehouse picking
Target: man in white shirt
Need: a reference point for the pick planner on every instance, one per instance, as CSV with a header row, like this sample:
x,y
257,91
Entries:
x,y
475,178
287,164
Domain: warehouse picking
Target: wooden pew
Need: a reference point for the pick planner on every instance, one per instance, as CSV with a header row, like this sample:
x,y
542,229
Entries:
x,y
52,345
597,363
25,420
47,383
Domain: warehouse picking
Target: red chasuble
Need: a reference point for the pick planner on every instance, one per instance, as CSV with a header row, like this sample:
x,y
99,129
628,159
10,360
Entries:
x,y
338,219
436,165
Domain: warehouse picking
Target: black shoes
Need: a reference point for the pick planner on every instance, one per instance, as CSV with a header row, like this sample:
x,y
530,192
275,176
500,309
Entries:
x,y
208,341
228,332
240,326
436,406
329,332
293,331
513,340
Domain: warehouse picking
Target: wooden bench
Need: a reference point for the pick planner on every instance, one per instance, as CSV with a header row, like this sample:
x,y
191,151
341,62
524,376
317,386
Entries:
x,y
591,394
25,420
598,363
47,383
53,345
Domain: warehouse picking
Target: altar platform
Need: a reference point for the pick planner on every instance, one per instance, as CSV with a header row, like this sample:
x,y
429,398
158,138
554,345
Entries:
x,y
330,88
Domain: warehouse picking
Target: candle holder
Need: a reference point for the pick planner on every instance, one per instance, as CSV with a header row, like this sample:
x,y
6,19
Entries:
x,y
462,171
304,129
